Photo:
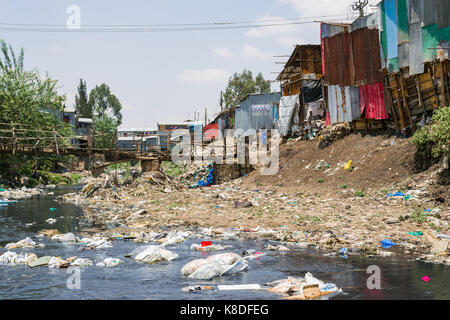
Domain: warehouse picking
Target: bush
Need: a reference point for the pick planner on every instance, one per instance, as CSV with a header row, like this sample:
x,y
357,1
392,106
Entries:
x,y
432,140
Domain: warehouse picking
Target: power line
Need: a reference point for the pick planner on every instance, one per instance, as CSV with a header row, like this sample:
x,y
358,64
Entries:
x,y
175,24
123,29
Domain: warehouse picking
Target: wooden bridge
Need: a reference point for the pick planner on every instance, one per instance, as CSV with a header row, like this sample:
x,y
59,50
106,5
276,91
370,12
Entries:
x,y
24,139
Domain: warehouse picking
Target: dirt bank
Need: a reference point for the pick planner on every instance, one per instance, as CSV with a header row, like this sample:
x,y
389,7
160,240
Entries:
x,y
312,200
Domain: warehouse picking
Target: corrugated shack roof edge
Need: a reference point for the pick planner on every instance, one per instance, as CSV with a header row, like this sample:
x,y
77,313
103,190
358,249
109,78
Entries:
x,y
289,63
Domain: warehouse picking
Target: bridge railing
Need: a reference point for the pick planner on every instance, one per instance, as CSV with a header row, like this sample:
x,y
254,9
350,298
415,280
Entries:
x,y
20,137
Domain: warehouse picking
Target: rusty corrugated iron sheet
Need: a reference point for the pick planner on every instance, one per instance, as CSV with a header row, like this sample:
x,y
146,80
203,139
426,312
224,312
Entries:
x,y
338,59
311,60
371,99
343,104
366,56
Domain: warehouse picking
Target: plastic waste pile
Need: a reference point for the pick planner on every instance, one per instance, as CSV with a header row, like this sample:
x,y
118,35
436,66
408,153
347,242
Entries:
x,y
95,243
210,247
302,288
25,243
214,266
174,237
109,262
251,254
277,247
68,237
10,258
152,254
200,175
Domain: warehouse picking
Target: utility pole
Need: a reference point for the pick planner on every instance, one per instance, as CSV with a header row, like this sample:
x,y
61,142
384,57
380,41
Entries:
x,y
359,6
206,117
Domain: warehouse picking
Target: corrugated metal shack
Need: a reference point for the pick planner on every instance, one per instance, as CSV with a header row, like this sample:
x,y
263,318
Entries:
x,y
415,41
258,111
301,108
351,56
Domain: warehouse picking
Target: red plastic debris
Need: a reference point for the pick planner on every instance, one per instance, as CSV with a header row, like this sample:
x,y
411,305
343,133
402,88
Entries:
x,y
206,243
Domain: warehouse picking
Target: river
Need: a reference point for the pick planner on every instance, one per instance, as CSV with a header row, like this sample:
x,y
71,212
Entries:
x,y
401,277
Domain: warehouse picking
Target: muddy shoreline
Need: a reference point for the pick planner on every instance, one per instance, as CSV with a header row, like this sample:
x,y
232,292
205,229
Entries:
x,y
333,222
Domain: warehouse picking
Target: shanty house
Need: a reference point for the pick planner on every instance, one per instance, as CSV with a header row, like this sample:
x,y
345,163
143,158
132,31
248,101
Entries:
x,y
257,111
302,92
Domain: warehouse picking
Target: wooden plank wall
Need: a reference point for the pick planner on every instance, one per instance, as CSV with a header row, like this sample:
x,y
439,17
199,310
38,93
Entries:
x,y
409,97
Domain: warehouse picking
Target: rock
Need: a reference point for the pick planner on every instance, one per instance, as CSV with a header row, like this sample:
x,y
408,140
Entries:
x,y
246,204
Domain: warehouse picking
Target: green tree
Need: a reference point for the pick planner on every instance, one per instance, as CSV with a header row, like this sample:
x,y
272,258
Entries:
x,y
26,97
242,84
31,99
107,116
82,106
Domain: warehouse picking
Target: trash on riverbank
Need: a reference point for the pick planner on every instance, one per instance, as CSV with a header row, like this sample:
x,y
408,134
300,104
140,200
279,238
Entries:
x,y
153,254
68,237
10,258
174,237
95,243
213,266
109,262
50,221
42,261
47,233
196,288
387,243
277,247
25,243
239,287
302,288
212,247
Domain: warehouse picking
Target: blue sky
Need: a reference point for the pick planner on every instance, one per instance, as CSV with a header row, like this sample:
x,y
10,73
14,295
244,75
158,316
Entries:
x,y
161,76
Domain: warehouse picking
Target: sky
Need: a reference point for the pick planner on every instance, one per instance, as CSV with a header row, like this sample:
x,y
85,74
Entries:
x,y
162,76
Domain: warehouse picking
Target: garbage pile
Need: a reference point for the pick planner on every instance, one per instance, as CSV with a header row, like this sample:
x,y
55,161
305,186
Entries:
x,y
302,288
200,175
8,196
25,243
333,133
152,254
214,266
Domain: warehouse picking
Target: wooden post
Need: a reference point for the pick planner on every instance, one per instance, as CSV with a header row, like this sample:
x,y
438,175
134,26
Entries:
x,y
443,81
402,120
14,139
419,94
55,140
388,95
405,102
434,89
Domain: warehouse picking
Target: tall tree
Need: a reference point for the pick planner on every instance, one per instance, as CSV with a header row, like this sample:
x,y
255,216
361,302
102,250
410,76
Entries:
x,y
107,116
26,97
82,106
242,84
105,104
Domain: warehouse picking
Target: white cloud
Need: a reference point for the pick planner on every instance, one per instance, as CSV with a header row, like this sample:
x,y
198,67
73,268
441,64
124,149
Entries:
x,y
205,76
263,32
252,52
223,52
320,8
